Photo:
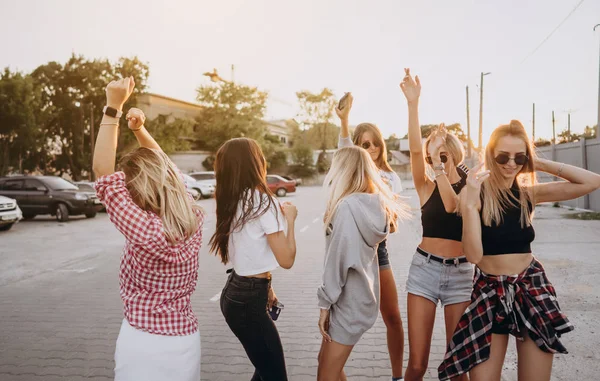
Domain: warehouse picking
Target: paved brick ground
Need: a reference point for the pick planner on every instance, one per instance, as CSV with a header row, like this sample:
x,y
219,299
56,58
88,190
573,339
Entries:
x,y
60,310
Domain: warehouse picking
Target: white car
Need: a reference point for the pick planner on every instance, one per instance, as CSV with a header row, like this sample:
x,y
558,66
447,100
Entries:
x,y
10,213
205,188
208,176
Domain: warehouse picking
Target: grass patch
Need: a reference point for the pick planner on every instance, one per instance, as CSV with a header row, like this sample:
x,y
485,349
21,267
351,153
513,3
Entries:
x,y
584,216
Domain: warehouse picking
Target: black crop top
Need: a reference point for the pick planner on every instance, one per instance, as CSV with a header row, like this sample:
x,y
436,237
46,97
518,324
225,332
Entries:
x,y
437,223
508,237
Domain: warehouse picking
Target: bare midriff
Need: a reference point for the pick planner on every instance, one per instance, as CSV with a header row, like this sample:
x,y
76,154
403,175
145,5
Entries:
x,y
442,247
265,275
505,264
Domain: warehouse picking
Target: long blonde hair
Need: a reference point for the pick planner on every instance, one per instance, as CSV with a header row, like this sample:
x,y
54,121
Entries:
x,y
155,186
496,197
353,171
382,160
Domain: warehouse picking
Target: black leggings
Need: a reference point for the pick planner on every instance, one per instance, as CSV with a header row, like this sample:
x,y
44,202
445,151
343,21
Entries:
x,y
244,305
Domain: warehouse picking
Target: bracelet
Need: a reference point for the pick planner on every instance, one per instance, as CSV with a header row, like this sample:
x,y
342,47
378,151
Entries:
x,y
562,166
137,129
109,124
439,174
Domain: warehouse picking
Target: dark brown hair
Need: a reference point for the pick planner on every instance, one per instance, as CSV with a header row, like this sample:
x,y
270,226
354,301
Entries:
x,y
240,170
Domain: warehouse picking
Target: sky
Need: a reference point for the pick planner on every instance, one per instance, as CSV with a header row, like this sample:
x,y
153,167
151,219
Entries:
x,y
360,46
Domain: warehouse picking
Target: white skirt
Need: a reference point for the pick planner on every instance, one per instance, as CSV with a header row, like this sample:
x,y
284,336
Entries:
x,y
145,356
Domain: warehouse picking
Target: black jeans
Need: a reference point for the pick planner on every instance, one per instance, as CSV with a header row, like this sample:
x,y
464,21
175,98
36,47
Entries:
x,y
244,305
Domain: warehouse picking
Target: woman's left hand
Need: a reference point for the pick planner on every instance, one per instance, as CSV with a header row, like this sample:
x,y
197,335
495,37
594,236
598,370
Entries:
x,y
324,325
272,299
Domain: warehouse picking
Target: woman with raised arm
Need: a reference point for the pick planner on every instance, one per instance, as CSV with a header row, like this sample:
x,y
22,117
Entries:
x,y
255,234
439,272
368,136
511,292
148,203
360,212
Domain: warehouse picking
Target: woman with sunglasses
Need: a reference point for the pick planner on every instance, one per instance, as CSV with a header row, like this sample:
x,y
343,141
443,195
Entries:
x,y
518,299
439,272
368,136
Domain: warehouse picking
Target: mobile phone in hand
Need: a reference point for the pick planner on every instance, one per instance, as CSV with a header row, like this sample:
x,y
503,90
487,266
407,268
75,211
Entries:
x,y
275,310
343,101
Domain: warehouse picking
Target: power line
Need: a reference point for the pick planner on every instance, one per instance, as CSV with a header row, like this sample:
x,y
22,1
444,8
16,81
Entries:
x,y
551,33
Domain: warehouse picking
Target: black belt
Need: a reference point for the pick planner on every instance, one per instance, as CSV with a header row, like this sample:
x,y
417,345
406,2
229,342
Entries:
x,y
444,261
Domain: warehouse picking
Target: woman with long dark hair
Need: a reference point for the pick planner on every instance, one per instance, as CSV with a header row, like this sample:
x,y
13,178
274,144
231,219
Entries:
x,y
511,292
255,234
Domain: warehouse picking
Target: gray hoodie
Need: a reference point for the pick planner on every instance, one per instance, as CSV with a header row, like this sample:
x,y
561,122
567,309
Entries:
x,y
350,287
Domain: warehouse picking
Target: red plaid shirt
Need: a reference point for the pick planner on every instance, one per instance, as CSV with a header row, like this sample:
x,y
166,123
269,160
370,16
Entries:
x,y
523,304
156,278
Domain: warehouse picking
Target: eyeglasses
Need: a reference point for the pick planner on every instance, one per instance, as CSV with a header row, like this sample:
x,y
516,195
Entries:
x,y
520,159
367,145
443,158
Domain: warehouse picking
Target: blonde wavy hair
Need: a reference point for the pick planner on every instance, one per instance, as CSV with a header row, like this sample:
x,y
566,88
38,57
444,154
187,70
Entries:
x,y
495,196
156,186
353,171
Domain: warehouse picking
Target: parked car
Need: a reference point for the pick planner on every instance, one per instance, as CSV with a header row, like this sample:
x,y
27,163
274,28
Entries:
x,y
280,186
49,195
10,213
87,187
298,182
205,188
208,176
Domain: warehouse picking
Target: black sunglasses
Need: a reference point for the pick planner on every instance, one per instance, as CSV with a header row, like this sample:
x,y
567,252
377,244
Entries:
x,y
520,159
443,158
367,145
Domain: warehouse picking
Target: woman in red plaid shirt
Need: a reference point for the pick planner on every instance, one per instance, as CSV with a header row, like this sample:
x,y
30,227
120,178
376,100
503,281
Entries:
x,y
148,203
518,299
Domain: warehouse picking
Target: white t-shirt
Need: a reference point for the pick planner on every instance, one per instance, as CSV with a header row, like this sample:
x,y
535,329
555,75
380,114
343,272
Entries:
x,y
249,251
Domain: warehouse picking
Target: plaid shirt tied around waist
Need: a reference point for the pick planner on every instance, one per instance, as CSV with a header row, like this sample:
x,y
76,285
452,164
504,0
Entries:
x,y
525,304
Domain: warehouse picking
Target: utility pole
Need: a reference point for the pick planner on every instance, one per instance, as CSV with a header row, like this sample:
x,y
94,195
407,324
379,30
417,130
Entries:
x,y
533,126
569,128
480,140
598,122
468,127
553,129
232,73
92,141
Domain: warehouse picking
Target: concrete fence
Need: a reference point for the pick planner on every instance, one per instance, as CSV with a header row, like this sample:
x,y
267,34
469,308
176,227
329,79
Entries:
x,y
585,154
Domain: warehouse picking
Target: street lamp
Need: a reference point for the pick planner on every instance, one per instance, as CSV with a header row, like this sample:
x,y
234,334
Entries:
x,y
598,122
480,140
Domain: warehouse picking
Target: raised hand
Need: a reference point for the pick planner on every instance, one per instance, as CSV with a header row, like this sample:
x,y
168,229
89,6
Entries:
x,y
438,140
135,119
411,87
117,92
475,178
345,112
289,211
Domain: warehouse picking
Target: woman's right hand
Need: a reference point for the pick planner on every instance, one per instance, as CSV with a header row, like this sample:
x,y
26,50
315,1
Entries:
x,y
344,114
324,325
289,211
411,87
475,178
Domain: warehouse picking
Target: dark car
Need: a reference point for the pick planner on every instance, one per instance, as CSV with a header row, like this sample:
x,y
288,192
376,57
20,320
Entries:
x,y
49,195
280,186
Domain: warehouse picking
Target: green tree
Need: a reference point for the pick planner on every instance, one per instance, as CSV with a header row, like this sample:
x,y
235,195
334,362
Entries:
x,y
230,110
274,151
302,158
567,136
68,95
590,132
22,143
169,134
542,142
454,128
316,118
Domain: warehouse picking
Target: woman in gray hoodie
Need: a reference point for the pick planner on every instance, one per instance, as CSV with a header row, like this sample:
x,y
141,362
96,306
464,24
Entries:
x,y
361,210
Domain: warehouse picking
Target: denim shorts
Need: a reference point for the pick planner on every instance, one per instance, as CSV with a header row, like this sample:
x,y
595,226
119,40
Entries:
x,y
444,283
382,256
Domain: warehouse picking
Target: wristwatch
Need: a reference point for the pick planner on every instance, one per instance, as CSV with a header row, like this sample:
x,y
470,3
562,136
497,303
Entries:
x,y
110,111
